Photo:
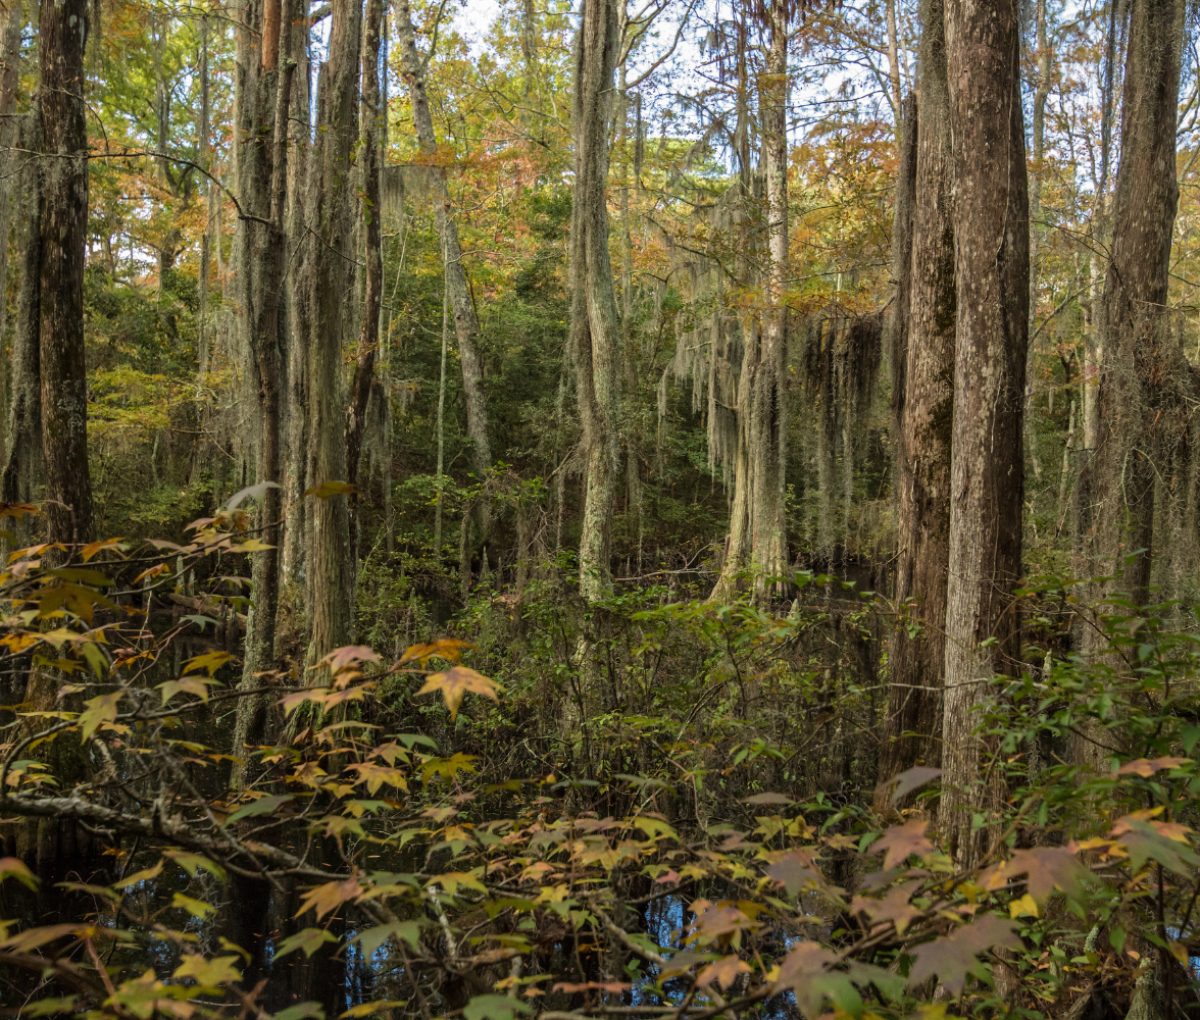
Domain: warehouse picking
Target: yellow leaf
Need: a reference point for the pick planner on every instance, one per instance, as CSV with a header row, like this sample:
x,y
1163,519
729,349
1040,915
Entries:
x,y
457,682
208,973
197,908
329,896
211,661
100,711
327,489
1026,906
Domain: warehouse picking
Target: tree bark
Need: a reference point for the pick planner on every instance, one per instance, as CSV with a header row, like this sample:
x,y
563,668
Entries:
x,y
923,339
9,82
768,410
263,167
991,231
23,460
63,37
595,323
924,419
329,566
297,287
466,324
1143,372
370,114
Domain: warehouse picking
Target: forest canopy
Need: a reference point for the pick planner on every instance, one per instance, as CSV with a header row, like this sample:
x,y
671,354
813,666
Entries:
x,y
587,509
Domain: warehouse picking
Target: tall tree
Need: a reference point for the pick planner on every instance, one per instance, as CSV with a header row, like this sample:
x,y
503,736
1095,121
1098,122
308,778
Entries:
x,y
991,233
462,308
370,115
595,324
757,534
331,251
262,165
923,355
1144,379
63,38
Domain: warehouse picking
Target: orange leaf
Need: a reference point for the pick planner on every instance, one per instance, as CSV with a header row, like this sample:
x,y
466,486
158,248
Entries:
x,y
901,841
457,682
724,972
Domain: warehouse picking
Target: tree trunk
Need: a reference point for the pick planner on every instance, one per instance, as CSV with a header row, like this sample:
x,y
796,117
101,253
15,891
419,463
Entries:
x,y
925,412
9,82
329,567
466,325
768,410
263,167
63,36
595,323
296,292
23,460
1143,372
991,231
370,114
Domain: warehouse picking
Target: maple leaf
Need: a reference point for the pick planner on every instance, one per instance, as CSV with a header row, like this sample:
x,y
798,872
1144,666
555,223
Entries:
x,y
1142,767
794,870
327,489
329,896
893,907
457,682
952,957
907,781
1046,868
211,661
11,867
262,806
902,841
340,658
208,973
723,972
101,711
197,908
494,1007
310,940
449,649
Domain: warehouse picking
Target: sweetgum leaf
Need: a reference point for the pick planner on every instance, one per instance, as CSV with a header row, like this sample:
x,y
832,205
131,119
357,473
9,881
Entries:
x,y
952,957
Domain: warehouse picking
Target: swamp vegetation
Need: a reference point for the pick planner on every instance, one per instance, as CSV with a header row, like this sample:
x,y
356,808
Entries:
x,y
549,511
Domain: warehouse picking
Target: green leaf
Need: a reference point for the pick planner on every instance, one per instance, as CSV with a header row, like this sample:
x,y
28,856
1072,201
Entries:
x,y
310,940
373,938
100,711
10,867
494,1007
197,908
367,1008
262,806
301,1011
190,862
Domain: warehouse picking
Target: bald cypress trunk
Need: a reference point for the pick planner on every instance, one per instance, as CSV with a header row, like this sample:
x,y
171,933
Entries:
x,y
63,36
924,335
364,381
296,285
1144,375
263,168
595,323
329,567
466,324
991,231
768,394
23,460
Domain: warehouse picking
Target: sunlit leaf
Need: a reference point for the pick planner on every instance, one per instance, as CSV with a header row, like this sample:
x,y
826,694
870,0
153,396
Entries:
x,y
457,682
310,940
